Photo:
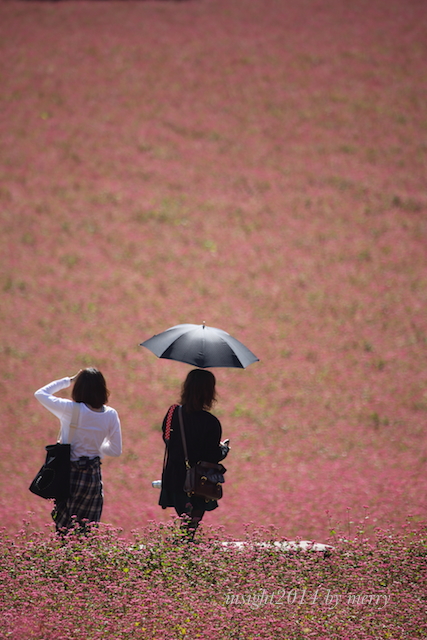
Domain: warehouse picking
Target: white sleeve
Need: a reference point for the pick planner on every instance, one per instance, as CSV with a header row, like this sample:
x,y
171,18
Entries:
x,y
112,444
60,407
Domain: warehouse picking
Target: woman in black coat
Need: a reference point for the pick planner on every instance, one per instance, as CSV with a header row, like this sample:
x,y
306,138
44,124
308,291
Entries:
x,y
203,437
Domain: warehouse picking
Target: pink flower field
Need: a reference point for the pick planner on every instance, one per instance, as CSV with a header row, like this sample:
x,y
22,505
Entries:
x,y
152,588
259,165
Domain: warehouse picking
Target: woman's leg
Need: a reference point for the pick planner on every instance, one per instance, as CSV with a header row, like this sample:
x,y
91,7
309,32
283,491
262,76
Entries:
x,y
190,520
60,515
196,517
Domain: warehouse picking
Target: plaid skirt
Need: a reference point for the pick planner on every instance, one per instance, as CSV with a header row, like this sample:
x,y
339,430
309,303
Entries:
x,y
86,497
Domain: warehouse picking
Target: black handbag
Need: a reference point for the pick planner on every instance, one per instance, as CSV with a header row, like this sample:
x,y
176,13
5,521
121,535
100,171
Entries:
x,y
203,479
53,479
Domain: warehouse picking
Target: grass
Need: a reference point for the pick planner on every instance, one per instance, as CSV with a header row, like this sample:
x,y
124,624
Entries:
x,y
158,586
259,169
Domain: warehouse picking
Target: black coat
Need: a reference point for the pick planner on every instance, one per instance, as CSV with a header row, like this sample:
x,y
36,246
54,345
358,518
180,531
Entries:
x,y
203,435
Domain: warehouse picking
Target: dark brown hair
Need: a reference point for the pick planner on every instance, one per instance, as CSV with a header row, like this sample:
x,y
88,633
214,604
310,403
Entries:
x,y
90,387
198,391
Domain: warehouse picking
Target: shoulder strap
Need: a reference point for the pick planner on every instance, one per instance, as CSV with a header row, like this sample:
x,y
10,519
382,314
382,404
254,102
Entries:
x,y
74,420
184,443
169,421
168,429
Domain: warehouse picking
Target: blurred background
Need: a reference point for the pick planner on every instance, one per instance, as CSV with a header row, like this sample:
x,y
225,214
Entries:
x,y
257,165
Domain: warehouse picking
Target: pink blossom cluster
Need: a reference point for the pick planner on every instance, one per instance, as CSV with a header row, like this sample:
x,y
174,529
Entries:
x,y
254,164
158,587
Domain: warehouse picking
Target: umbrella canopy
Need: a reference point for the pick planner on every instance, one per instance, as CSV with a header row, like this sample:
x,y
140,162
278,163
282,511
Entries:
x,y
200,346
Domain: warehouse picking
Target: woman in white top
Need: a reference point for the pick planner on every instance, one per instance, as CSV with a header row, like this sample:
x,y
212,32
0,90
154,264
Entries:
x,y
98,433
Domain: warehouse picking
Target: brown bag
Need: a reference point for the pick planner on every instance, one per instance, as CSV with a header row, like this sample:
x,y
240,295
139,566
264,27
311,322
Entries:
x,y
204,479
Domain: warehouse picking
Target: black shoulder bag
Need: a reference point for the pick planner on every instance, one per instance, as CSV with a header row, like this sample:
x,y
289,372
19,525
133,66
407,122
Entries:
x,y
53,479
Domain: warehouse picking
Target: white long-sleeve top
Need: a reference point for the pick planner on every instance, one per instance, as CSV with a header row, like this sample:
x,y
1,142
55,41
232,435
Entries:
x,y
98,433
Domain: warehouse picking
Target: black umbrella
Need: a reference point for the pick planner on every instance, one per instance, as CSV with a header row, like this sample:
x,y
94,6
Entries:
x,y
200,346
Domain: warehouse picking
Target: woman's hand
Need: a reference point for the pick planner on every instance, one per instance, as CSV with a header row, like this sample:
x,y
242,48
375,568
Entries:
x,y
72,378
225,448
